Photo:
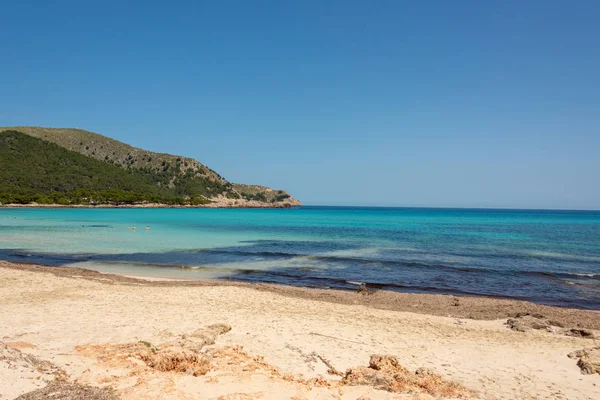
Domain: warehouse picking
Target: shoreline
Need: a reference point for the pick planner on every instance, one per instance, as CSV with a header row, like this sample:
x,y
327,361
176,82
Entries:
x,y
446,305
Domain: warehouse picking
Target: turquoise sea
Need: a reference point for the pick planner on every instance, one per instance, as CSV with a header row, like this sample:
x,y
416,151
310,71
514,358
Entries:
x,y
550,257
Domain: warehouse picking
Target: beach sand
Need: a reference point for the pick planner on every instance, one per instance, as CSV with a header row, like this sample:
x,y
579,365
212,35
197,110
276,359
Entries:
x,y
97,336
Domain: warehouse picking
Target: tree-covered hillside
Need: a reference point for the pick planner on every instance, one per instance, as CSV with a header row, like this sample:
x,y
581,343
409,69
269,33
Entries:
x,y
183,174
263,193
74,166
34,170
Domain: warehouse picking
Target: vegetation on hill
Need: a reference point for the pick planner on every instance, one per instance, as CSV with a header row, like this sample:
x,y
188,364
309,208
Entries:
x,y
74,166
262,193
184,175
34,170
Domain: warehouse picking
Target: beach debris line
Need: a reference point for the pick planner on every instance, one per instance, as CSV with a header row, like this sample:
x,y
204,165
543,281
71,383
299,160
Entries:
x,y
15,358
63,390
577,332
56,384
588,360
331,369
364,289
523,322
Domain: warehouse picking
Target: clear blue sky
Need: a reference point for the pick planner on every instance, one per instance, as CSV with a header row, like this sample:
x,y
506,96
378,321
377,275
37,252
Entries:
x,y
411,103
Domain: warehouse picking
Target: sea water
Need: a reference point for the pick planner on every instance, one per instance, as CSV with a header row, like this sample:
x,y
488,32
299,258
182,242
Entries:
x,y
550,257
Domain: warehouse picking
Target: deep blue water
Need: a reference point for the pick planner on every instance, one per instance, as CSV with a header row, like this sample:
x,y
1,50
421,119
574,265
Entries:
x,y
550,257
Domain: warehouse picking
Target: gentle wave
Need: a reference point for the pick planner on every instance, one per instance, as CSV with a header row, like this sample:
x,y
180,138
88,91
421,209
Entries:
x,y
57,259
402,263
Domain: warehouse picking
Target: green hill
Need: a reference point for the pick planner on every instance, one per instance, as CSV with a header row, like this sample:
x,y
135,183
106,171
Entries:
x,y
261,193
73,166
112,151
37,171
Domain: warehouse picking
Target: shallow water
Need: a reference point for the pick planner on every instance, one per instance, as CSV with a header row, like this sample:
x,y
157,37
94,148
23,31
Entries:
x,y
550,257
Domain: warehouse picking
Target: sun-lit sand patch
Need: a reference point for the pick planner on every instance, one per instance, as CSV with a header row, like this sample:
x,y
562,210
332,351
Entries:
x,y
204,340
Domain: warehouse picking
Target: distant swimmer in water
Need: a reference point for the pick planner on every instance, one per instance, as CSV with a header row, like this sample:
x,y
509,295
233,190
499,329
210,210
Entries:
x,y
147,228
134,228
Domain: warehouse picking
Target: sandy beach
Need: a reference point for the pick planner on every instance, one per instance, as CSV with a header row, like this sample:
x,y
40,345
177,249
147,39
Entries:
x,y
80,334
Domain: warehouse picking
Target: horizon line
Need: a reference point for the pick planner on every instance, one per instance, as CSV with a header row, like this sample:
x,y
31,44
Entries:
x,y
455,207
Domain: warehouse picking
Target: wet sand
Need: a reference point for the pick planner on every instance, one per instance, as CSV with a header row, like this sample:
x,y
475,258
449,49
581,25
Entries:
x,y
107,331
